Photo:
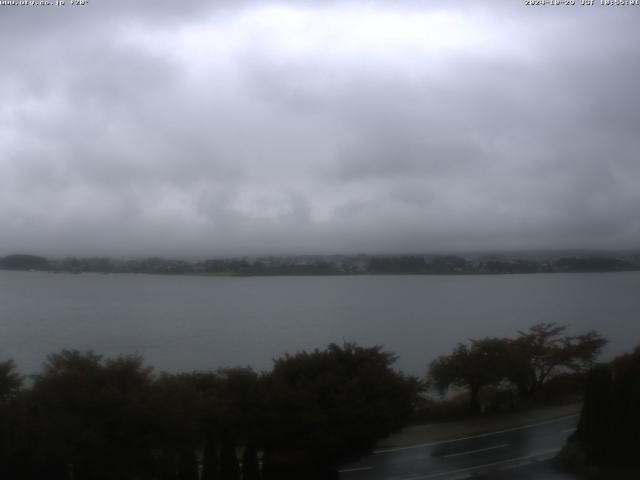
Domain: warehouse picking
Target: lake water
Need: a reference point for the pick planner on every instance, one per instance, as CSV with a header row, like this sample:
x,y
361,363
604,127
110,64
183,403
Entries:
x,y
189,322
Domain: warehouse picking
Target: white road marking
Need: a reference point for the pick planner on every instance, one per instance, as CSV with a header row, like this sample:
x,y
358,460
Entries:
x,y
356,469
481,435
469,452
567,430
539,453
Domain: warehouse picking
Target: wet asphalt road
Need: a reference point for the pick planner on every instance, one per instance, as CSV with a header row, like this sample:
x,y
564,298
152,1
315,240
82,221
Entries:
x,y
491,455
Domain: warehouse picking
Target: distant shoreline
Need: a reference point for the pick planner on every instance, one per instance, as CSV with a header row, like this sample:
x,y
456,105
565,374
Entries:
x,y
281,275
333,265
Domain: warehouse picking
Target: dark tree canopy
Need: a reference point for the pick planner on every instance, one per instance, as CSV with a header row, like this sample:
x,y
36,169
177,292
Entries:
x,y
10,380
337,403
24,262
95,418
609,426
91,413
481,363
527,361
544,350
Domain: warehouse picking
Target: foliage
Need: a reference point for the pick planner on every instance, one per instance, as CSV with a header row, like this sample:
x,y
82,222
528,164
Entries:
x,y
593,264
335,404
398,265
92,414
24,262
542,351
528,361
482,363
609,426
10,380
331,265
96,418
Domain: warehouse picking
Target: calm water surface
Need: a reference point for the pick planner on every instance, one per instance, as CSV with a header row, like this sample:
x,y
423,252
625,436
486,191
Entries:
x,y
186,323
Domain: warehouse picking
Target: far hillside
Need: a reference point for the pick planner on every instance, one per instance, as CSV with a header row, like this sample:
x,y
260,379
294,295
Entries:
x,y
322,265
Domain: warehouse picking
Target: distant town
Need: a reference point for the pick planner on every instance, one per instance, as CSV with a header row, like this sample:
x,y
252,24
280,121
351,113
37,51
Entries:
x,y
361,264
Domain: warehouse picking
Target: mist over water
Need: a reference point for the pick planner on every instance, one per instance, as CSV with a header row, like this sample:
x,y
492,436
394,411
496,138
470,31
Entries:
x,y
184,323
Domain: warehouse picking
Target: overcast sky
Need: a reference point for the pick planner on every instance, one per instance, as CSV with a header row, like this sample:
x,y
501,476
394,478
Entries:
x,y
185,129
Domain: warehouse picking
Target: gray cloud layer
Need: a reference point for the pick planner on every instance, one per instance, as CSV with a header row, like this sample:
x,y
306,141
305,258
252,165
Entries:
x,y
259,127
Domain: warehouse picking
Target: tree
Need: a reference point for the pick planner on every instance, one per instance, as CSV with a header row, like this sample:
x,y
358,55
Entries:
x,y
542,351
10,380
609,426
328,406
210,458
91,415
528,361
250,463
10,383
480,364
24,262
229,468
397,265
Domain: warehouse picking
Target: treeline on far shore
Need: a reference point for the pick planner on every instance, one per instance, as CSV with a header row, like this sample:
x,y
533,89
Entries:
x,y
334,265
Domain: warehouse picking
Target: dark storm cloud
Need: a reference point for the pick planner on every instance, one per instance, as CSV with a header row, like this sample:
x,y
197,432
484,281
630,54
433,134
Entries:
x,y
253,127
